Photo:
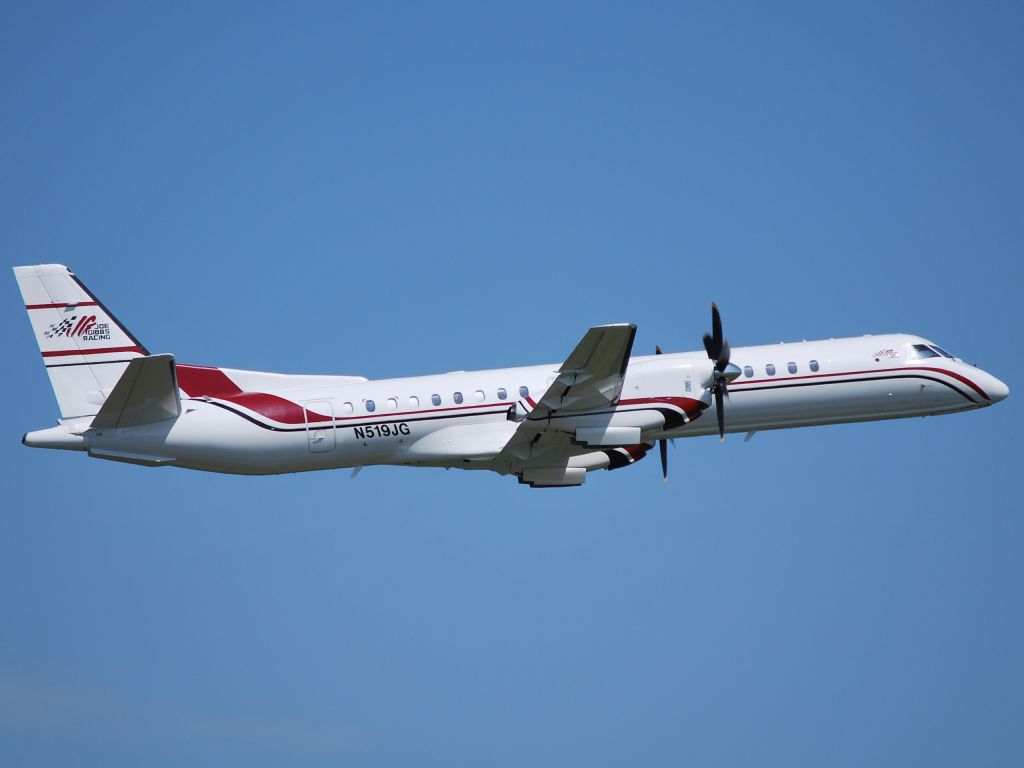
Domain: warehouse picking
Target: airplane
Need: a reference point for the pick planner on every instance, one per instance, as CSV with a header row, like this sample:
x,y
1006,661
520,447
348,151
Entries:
x,y
546,425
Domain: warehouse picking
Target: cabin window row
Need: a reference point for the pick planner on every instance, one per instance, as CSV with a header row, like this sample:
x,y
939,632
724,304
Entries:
x,y
391,404
769,369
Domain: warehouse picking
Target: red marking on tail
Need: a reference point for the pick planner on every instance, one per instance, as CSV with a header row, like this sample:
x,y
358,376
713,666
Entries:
x,y
61,306
103,351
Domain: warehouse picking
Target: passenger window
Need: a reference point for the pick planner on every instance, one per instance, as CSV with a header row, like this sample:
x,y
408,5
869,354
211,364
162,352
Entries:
x,y
435,399
370,407
502,394
791,367
922,352
814,365
769,369
748,371
479,394
346,407
392,403
524,391
457,397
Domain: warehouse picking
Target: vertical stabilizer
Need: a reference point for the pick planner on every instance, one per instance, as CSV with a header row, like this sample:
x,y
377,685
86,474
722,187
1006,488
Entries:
x,y
85,349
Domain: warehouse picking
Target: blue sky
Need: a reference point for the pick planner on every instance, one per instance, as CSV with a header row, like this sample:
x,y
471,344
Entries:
x,y
394,189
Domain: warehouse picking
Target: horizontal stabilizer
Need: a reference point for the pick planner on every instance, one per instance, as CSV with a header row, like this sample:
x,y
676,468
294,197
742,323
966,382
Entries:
x,y
147,392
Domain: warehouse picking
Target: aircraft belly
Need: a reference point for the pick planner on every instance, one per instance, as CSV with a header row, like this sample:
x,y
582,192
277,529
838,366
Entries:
x,y
471,442
210,438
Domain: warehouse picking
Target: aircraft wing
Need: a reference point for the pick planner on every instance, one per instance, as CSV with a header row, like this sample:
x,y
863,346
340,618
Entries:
x,y
590,378
592,375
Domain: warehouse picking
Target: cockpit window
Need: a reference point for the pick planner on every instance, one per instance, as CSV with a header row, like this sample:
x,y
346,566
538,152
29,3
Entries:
x,y
942,352
921,352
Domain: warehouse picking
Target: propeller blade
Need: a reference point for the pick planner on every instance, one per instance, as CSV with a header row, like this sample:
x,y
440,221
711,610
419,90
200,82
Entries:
x,y
716,347
662,444
723,356
719,351
720,408
716,326
709,345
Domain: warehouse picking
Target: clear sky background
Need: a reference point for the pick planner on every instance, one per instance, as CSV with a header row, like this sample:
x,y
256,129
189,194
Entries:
x,y
396,189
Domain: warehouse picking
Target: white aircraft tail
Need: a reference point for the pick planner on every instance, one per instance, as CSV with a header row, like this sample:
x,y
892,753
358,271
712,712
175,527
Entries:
x,y
85,349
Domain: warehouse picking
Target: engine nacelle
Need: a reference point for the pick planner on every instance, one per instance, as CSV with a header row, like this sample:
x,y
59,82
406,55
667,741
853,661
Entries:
x,y
608,436
553,477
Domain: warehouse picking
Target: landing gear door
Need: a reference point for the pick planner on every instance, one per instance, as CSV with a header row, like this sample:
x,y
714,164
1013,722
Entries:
x,y
319,425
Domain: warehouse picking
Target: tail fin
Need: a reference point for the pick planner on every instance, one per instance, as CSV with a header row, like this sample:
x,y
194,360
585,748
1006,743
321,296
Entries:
x,y
85,349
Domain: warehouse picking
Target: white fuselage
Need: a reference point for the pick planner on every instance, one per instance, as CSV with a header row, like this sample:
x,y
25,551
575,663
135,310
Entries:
x,y
272,423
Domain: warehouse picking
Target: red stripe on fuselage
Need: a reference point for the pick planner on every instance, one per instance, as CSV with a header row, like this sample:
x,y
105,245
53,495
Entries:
x,y
636,452
879,372
287,412
274,407
688,405
201,381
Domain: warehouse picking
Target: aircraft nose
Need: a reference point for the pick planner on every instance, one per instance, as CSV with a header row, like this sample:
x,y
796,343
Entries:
x,y
996,389
991,386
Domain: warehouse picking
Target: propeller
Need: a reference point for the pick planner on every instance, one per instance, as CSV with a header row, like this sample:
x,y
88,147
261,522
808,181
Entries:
x,y
662,444
718,350
724,372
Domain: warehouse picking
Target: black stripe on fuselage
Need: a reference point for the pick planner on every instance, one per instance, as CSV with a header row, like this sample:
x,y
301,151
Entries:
x,y
784,385
343,425
672,417
662,409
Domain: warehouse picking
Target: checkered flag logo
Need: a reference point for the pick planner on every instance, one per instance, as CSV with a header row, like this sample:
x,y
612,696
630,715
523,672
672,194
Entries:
x,y
62,328
67,327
